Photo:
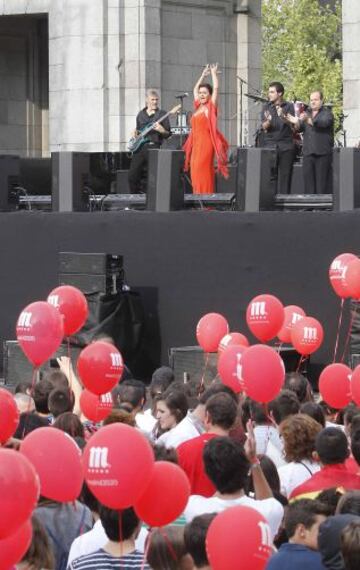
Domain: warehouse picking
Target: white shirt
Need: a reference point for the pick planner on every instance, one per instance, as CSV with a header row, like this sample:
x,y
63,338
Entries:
x,y
187,429
271,509
263,436
145,421
295,473
275,450
96,538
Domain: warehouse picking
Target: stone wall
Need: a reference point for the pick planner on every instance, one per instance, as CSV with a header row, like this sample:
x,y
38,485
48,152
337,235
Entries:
x,y
351,69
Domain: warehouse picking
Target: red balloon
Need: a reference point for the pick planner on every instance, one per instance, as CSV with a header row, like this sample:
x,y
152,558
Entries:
x,y
39,330
307,335
100,367
240,538
13,548
334,385
118,464
165,497
210,330
263,373
72,305
19,491
352,278
230,367
337,274
293,314
96,408
355,385
265,317
9,415
57,460
233,339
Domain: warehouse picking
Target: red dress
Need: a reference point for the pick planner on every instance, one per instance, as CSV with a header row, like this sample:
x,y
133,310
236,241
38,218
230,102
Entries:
x,y
204,143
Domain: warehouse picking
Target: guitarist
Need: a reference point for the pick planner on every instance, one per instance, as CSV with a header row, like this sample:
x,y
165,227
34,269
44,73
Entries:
x,y
160,132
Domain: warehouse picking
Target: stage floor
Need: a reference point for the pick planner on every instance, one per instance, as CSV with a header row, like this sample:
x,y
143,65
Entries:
x,y
185,264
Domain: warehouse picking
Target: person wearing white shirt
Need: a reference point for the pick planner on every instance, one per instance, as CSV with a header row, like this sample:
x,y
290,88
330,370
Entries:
x,y
286,404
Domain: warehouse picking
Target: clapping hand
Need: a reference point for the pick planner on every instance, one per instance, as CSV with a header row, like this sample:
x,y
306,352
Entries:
x,y
250,444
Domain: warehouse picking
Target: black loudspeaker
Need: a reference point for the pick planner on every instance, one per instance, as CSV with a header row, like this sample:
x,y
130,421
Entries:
x,y
346,179
255,179
122,182
70,177
226,185
354,352
164,190
35,176
9,177
297,179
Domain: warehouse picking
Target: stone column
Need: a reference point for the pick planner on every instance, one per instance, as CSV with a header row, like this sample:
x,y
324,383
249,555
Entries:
x,y
351,69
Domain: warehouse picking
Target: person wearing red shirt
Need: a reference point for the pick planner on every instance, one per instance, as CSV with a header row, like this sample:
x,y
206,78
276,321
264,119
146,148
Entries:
x,y
220,416
332,451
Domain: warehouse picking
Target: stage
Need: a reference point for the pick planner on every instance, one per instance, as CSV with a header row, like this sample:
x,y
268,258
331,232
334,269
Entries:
x,y
185,264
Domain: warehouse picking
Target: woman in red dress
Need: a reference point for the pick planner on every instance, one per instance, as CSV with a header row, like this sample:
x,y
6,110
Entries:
x,y
205,141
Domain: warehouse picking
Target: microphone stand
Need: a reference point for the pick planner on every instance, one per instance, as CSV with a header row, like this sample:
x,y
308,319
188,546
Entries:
x,y
242,83
181,113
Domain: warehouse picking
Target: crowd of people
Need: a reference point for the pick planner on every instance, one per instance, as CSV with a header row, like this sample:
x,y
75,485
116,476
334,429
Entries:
x,y
295,461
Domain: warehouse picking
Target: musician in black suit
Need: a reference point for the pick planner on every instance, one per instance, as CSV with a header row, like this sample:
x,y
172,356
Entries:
x,y
151,113
317,126
278,134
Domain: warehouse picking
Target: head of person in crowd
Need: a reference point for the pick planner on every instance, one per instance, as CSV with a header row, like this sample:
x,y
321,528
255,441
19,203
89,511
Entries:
x,y
195,540
349,503
57,378
331,446
220,413
23,388
39,554
171,407
90,501
70,424
314,411
162,453
24,402
332,415
329,540
350,545
300,385
167,550
132,393
302,521
299,434
226,464
129,528
28,422
41,393
285,404
316,100
61,400
120,416
350,412
160,382
271,475
331,498
355,444
200,409
276,92
355,424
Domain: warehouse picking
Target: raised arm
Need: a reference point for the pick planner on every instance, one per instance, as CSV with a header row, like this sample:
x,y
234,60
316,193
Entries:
x,y
215,81
205,72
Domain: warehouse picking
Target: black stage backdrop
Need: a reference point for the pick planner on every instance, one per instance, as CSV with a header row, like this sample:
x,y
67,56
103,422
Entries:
x,y
185,264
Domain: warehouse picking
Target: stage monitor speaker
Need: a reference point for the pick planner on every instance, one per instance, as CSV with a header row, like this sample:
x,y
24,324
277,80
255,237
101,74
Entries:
x,y
70,177
346,179
122,182
255,179
226,185
9,179
164,190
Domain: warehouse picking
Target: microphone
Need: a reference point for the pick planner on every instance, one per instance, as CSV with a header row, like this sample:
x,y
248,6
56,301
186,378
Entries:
x,y
182,96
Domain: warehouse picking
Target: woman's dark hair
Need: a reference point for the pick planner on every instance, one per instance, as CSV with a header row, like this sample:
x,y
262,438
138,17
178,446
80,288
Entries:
x,y
315,411
195,538
349,504
331,498
166,548
110,520
177,403
206,86
70,423
350,545
39,553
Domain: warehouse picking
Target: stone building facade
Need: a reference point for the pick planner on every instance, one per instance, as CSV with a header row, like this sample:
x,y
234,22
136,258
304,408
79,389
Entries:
x,y
351,69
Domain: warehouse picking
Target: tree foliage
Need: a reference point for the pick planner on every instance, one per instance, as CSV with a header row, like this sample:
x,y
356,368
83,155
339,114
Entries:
x,y
302,48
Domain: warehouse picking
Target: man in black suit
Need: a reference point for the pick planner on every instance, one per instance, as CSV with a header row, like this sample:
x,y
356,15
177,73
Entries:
x,y
278,134
317,126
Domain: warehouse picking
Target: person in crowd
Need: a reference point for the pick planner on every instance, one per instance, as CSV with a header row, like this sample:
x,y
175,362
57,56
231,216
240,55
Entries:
x,y
264,430
332,452
297,383
170,410
331,498
29,421
23,388
39,555
272,477
41,393
286,404
24,402
227,466
350,545
57,378
195,540
119,551
160,381
220,415
71,424
332,416
167,549
120,416
298,433
205,141
329,540
302,522
350,412
349,503
61,400
314,411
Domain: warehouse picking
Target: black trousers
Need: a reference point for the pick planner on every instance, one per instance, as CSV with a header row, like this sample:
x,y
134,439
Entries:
x,y
284,168
316,172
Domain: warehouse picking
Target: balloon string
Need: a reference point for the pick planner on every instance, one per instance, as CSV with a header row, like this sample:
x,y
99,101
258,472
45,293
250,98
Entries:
x,y
147,548
69,360
121,534
353,316
300,362
32,388
203,374
338,329
168,544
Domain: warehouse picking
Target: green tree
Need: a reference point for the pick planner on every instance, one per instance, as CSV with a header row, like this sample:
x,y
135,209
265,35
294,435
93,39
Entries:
x,y
302,48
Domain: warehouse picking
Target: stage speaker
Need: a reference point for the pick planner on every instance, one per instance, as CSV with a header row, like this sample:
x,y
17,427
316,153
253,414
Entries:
x,y
70,177
122,182
256,183
226,185
164,189
9,179
346,179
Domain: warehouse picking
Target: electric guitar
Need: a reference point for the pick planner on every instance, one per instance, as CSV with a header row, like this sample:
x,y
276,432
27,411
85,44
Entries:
x,y
135,143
